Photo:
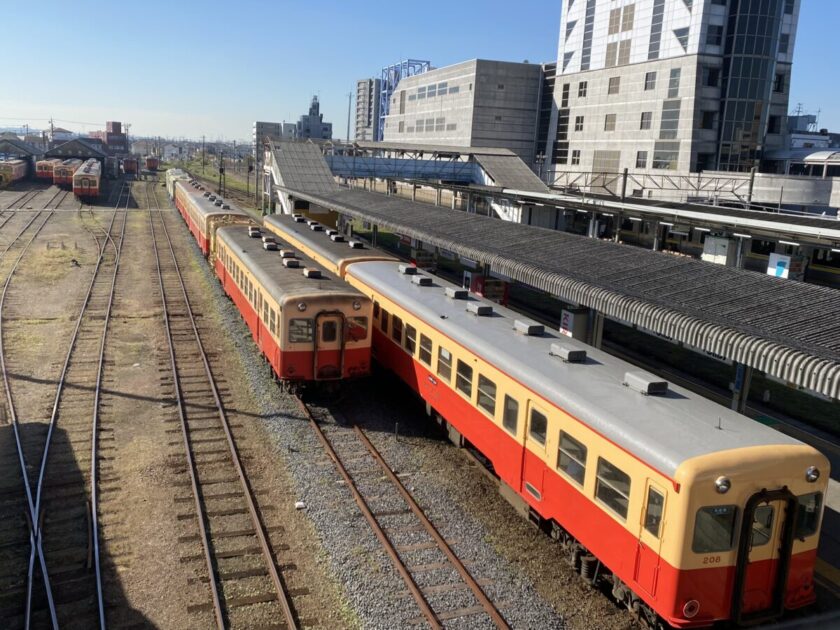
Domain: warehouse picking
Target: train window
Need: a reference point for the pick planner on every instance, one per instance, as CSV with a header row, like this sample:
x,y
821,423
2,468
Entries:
x,y
653,512
487,394
272,321
538,426
329,331
425,349
444,368
396,329
410,339
384,321
511,418
762,525
808,514
612,487
357,328
300,330
265,311
714,528
376,310
463,379
571,458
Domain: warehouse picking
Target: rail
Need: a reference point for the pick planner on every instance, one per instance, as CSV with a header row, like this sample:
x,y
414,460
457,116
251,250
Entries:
x,y
185,313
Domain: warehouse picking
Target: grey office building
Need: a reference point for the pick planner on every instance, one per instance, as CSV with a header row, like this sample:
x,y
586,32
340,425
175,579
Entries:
x,y
476,103
312,125
367,108
670,85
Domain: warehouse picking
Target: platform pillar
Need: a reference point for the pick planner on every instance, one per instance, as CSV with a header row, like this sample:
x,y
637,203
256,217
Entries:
x,y
595,333
741,390
437,196
656,229
374,231
414,192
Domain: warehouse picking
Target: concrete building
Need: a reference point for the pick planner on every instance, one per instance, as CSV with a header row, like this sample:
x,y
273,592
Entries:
x,y
261,129
671,85
476,103
312,125
367,109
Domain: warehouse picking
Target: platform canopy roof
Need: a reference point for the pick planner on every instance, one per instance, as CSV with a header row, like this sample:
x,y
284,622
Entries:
x,y
785,328
17,147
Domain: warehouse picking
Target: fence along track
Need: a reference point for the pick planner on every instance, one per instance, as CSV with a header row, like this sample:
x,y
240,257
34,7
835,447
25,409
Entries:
x,y
200,409
435,618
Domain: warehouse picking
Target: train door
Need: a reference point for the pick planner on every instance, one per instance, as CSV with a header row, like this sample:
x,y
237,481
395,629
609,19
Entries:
x,y
764,548
536,436
651,527
328,354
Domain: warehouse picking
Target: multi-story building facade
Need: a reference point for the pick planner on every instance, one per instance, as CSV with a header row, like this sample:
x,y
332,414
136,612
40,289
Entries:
x,y
367,109
476,103
261,129
670,85
312,125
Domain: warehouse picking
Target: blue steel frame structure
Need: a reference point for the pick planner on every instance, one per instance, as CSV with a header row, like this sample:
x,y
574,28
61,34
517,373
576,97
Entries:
x,y
391,76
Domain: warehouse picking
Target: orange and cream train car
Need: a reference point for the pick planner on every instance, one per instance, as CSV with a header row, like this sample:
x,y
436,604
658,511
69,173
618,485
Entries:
x,y
87,180
204,212
309,324
44,168
64,171
693,513
11,171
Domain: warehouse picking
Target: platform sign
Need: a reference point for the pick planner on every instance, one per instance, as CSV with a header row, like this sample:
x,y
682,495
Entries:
x,y
567,323
778,266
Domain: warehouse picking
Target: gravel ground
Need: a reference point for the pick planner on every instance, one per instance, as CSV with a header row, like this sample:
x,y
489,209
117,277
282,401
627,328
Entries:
x,y
521,581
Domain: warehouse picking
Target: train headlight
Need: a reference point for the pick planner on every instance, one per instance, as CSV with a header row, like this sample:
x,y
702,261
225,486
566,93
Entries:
x,y
812,474
722,485
301,306
691,608
357,305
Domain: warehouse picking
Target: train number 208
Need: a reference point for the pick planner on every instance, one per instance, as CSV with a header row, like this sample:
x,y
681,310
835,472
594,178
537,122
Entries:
x,y
711,560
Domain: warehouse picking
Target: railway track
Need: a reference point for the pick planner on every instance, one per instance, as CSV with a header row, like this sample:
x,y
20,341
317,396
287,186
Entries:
x,y
245,586
59,464
403,528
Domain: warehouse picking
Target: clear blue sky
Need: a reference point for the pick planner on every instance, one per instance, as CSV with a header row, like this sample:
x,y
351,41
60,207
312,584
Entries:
x,y
192,68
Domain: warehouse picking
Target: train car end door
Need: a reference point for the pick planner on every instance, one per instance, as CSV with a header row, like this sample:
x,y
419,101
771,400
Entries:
x,y
651,530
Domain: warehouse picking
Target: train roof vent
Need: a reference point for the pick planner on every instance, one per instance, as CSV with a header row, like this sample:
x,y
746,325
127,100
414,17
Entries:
x,y
287,253
297,218
356,244
477,308
407,270
311,273
456,294
528,328
316,227
206,193
336,238
645,383
568,353
423,281
311,222
330,231
212,197
226,206
291,263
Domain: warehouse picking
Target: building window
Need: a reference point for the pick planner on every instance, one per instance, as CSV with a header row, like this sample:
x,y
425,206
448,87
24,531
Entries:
x,y
582,89
571,458
575,157
624,52
615,21
444,368
612,55
501,86
674,83
538,426
774,124
612,488
609,122
440,124
425,349
784,43
779,84
615,83
487,395
641,159
420,126
451,126
711,76
650,80
511,417
789,6
401,127
627,17
463,379
454,89
714,36
709,119
578,123
647,120
666,155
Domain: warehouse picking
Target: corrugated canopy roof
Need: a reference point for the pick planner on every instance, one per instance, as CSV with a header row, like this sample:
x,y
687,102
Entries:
x,y
511,172
301,166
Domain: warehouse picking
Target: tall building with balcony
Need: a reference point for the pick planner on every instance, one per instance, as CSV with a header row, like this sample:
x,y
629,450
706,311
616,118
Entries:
x,y
670,85
312,125
367,109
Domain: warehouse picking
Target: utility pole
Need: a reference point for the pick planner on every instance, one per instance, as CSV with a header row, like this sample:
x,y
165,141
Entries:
x,y
221,173
202,154
349,106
